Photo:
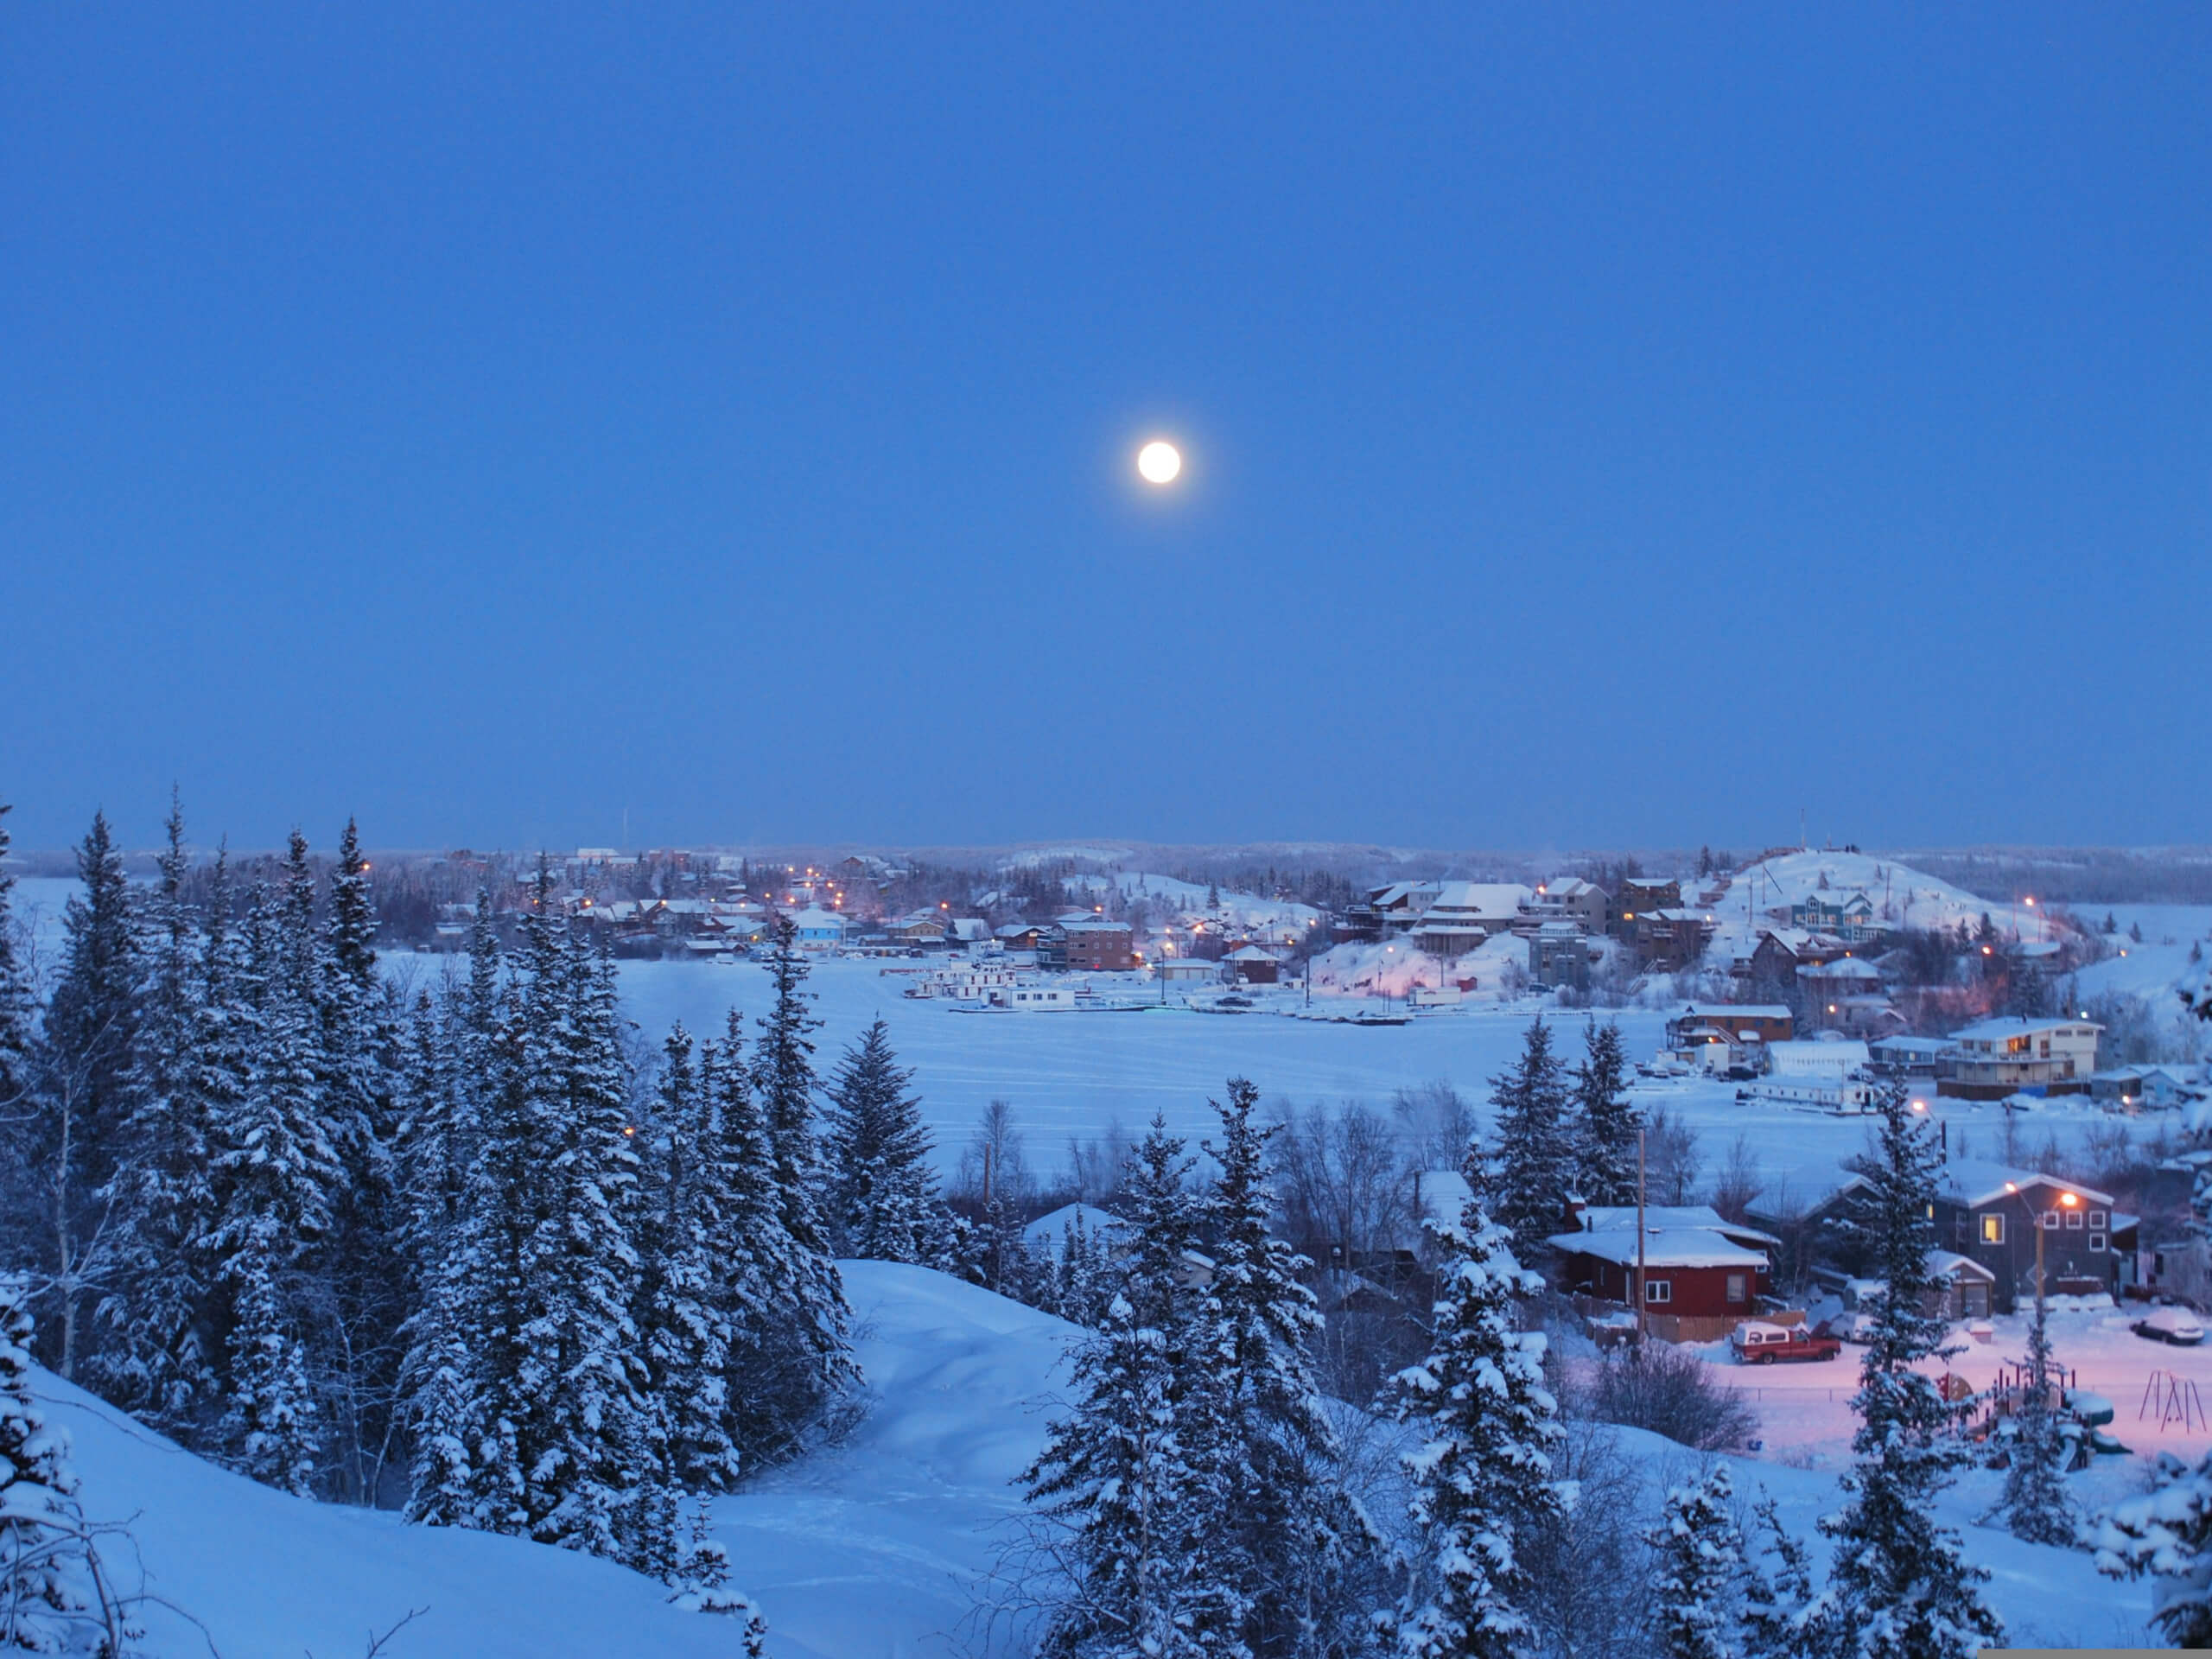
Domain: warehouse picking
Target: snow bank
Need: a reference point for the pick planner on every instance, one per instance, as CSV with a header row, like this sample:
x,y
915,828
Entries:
x,y
269,1575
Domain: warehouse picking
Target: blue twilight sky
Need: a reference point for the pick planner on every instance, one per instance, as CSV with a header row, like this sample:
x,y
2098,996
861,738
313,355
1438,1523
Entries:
x,y
1606,424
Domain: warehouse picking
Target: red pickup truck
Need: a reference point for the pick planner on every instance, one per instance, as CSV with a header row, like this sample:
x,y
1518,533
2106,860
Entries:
x,y
1759,1343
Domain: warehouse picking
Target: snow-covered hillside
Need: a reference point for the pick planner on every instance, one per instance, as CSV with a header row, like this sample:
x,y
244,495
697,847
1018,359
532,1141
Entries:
x,y
1277,918
1901,897
873,1548
268,1576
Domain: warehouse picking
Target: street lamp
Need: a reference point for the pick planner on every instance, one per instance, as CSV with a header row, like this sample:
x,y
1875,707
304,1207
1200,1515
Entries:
x,y
2066,1201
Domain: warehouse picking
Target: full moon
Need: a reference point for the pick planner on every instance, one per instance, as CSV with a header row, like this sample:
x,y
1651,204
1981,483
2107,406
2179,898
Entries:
x,y
1160,462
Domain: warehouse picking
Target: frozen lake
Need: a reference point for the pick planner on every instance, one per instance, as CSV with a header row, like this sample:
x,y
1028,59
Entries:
x,y
1072,1075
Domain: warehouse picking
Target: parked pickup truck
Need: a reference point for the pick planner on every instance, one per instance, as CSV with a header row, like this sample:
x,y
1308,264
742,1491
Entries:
x,y
1759,1344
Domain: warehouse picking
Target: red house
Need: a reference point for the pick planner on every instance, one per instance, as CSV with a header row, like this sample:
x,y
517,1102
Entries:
x,y
1702,1275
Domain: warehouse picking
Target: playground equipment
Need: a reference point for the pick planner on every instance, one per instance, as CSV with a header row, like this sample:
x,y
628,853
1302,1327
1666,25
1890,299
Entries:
x,y
2171,1400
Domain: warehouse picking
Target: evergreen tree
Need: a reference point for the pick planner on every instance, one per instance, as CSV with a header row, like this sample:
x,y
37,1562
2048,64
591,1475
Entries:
x,y
2167,1531
2036,1505
882,1205
51,1600
1288,1539
1484,1476
812,1360
1081,1280
156,1358
1115,1473
686,1324
81,1094
364,1306
15,986
1698,1583
1531,1155
1900,1587
493,1280
278,1170
757,1261
438,1148
1774,1600
592,1477
1606,1119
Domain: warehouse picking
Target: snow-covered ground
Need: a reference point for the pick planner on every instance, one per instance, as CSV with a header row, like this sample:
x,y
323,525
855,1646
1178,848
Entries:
x,y
268,1576
876,1547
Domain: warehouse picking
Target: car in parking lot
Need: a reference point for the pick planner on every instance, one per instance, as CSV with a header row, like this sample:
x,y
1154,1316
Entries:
x,y
2177,1325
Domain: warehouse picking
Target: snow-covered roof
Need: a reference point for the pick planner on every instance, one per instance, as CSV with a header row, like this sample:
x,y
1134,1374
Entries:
x,y
1611,1218
1950,1264
1724,1012
1663,1247
1856,968
1251,953
1568,886
1973,1182
1478,901
1988,1031
1094,925
1050,1229
812,919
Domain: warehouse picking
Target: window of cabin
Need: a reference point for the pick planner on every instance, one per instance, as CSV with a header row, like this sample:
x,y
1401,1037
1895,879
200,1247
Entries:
x,y
1739,1287
2096,1219
2073,1219
1992,1229
2097,1241
1658,1290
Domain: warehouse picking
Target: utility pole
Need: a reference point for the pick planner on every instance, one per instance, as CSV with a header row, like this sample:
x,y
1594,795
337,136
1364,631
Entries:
x,y
1640,1297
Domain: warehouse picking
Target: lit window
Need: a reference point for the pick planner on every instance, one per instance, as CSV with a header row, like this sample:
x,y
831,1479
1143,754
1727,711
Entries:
x,y
1992,1229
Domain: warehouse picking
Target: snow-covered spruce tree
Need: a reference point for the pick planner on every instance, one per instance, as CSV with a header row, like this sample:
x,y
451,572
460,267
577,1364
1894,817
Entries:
x,y
1531,1154
278,1169
756,1260
2167,1531
154,1356
1484,1475
1114,1481
592,1475
362,1301
810,1358
15,986
1289,1538
53,1599
495,1279
1697,1581
1773,1599
72,1134
1081,1279
882,1200
681,1314
2036,1505
1900,1587
437,1378
1606,1119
